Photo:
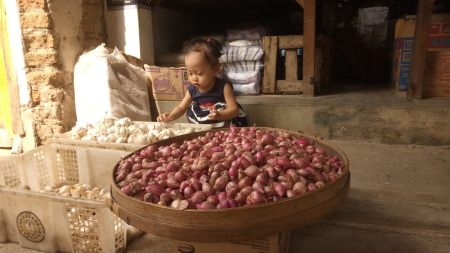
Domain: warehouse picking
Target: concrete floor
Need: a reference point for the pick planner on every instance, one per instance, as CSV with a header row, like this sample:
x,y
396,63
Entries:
x,y
350,111
399,199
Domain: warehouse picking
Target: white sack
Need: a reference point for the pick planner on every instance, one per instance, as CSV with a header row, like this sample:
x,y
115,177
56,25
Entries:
x,y
373,25
243,77
106,85
240,43
249,53
239,66
247,89
243,43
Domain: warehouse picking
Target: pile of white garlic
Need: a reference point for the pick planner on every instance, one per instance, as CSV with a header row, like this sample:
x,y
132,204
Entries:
x,y
125,130
83,191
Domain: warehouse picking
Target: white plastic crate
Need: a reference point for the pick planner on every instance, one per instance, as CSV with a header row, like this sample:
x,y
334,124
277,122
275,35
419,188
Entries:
x,y
65,138
52,223
55,163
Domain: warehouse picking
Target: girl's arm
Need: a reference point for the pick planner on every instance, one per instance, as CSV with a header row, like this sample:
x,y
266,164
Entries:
x,y
177,111
232,109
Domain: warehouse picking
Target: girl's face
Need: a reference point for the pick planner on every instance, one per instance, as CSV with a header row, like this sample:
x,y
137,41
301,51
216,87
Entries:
x,y
201,73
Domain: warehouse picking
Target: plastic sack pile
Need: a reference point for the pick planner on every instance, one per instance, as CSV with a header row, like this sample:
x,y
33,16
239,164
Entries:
x,y
243,59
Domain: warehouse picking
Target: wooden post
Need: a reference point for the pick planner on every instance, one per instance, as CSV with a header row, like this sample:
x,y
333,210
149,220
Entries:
x,y
420,48
301,3
309,40
270,64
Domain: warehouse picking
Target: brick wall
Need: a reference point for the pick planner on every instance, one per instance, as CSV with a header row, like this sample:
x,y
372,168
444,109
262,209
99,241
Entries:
x,y
94,26
52,108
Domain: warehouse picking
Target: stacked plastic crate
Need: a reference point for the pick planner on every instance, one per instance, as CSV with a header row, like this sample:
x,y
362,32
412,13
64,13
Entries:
x,y
44,220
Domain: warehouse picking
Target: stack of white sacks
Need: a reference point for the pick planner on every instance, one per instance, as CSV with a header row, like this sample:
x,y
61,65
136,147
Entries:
x,y
243,59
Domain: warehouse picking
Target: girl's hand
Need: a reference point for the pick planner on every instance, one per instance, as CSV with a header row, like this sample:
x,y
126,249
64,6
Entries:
x,y
165,117
213,113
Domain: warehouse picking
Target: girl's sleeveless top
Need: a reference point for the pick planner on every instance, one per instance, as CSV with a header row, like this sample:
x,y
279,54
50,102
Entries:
x,y
199,110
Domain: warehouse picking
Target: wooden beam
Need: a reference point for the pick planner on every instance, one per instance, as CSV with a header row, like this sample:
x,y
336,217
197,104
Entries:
x,y
301,3
290,42
309,41
419,53
291,65
289,87
270,44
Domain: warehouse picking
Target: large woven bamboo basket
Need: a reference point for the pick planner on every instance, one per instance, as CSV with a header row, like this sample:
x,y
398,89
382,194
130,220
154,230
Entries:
x,y
233,224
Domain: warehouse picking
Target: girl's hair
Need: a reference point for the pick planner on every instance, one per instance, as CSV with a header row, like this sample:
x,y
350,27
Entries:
x,y
210,47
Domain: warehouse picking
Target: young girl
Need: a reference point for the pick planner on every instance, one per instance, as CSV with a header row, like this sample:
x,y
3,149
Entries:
x,y
209,100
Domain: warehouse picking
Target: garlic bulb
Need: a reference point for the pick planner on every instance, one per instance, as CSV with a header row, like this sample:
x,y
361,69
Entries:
x,y
131,138
142,139
88,138
143,127
100,126
48,188
102,138
80,191
121,140
64,189
111,138
124,130
108,122
75,193
111,129
75,137
188,131
93,132
132,129
151,137
125,122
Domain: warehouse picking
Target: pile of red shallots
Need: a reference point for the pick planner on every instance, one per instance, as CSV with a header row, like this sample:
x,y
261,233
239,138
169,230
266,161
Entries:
x,y
226,169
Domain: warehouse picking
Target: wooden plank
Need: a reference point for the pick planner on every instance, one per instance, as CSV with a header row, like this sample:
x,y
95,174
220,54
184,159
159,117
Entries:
x,y
284,86
290,42
270,64
309,37
291,65
419,53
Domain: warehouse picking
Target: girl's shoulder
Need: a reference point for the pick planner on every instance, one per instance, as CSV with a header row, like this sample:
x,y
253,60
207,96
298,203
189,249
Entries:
x,y
221,83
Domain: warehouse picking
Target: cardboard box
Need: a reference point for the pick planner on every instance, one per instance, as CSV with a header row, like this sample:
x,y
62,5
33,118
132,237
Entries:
x,y
438,36
167,83
439,40
436,81
278,243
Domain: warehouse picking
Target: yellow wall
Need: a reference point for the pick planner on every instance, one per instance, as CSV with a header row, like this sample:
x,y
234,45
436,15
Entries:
x,y
5,110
